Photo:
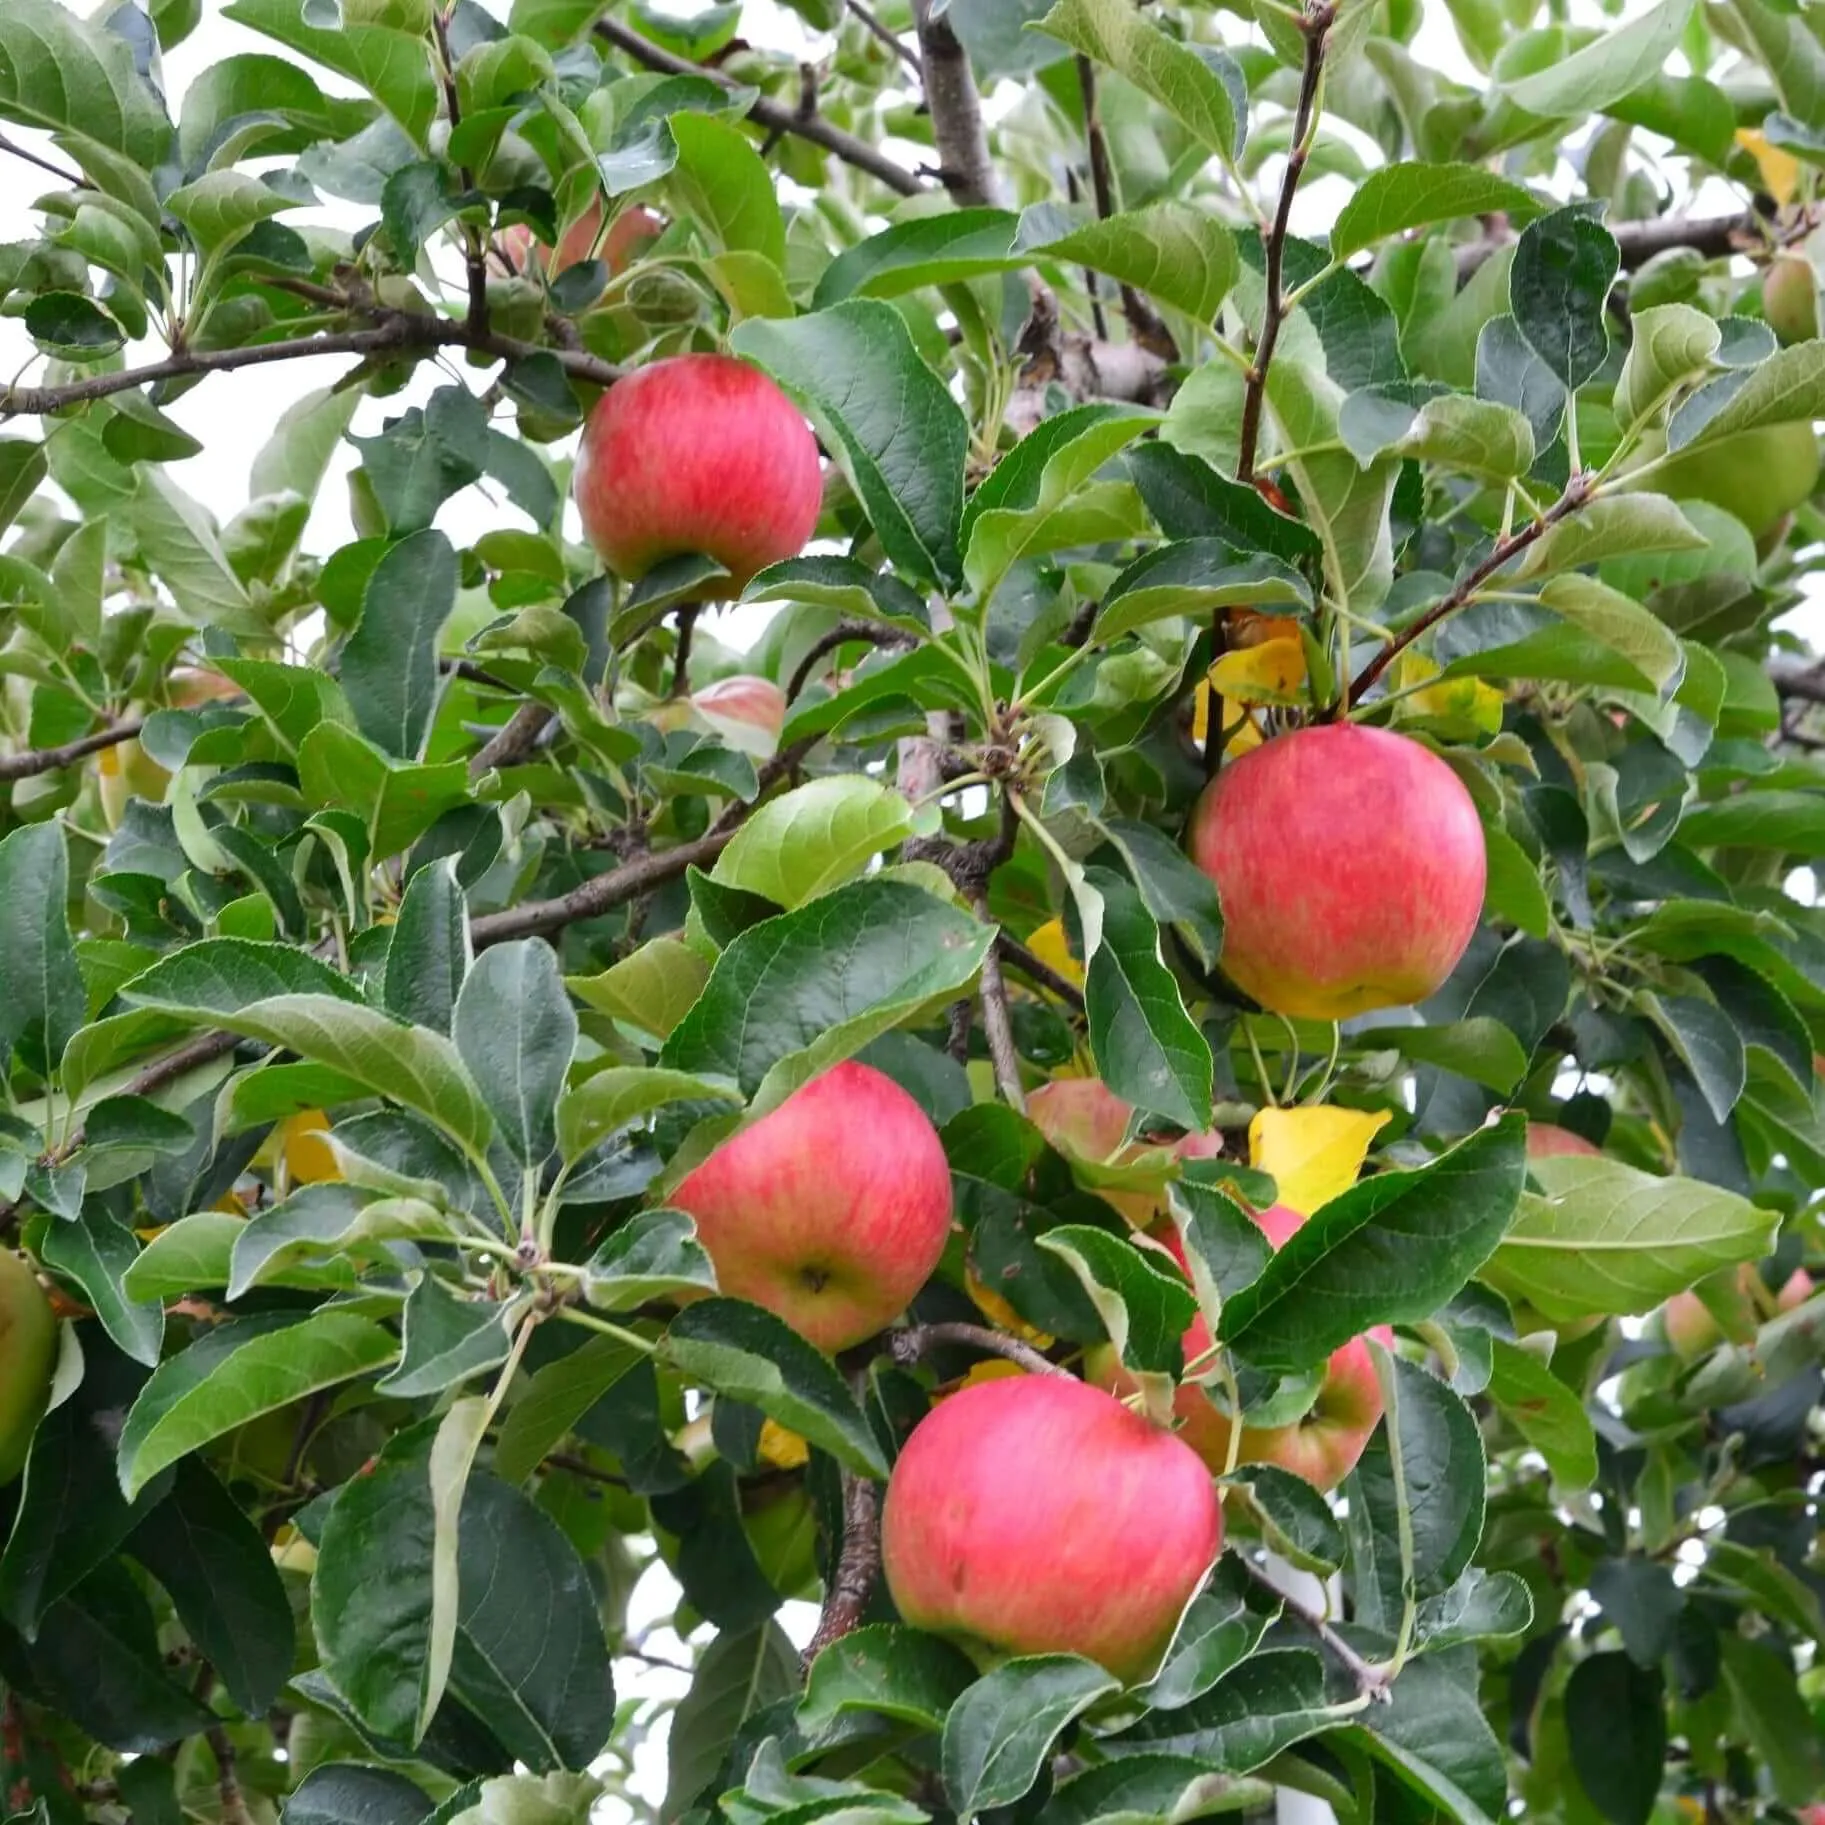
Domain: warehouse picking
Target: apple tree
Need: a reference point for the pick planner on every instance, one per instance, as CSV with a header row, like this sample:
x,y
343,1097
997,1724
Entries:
x,y
956,957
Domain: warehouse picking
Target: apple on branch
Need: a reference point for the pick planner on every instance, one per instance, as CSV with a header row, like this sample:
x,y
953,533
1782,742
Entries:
x,y
1036,1515
831,1210
28,1356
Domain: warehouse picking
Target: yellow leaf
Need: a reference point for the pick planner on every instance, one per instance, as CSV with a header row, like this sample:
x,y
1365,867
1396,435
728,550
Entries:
x,y
996,1368
991,1305
1049,945
1314,1154
1273,672
1466,701
308,1157
782,1449
1780,169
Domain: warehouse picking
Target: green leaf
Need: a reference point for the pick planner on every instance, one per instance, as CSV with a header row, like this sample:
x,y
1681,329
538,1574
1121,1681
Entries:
x,y
1617,61
1176,252
447,1340
1611,527
234,1374
189,1256
1295,1519
1545,1412
1606,1238
1708,1044
655,1254
1640,1597
1171,73
927,250
95,1251
1622,624
1481,1049
42,1001
1000,1733
1399,197
1615,1723
608,1101
1433,1734
1216,1634
396,802
1155,1789
740,1673
1391,1250
1792,823
1195,577
181,545
1760,1679
58,73
22,470
890,1671
739,1350
346,1793
1564,266
547,1407
774,1014
221,207
389,663
900,435
814,838
326,1220
722,183
846,585
428,955
516,1031
1271,1701
1148,1050
1144,1309
1673,344
652,990
224,975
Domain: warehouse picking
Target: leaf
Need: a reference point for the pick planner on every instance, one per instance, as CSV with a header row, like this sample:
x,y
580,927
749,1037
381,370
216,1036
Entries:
x,y
1545,1412
1152,1788
926,250
42,1001
428,955
1296,1520
1171,73
1615,1724
1177,253
890,1671
95,1251
218,1572
902,438
1673,344
1618,61
1791,822
1271,1701
1608,1239
1708,1044
1147,1049
515,1031
652,990
608,1101
999,1734
1433,1734
739,1674
739,1350
1564,266
1621,624
1403,196
1481,1049
1217,1633
347,1793
1612,527
328,1219
1195,577
389,663
655,1254
1144,1309
221,976
1640,1597
774,1014
58,73
447,1340
1391,1250
22,470
807,841
723,185
1312,1154
1190,500
181,546
236,1373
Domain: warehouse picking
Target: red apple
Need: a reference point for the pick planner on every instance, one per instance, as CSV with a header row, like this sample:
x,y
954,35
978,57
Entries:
x,y
1086,1119
832,1210
1547,1140
746,711
698,453
1692,1330
1035,1515
1349,864
628,237
1324,1445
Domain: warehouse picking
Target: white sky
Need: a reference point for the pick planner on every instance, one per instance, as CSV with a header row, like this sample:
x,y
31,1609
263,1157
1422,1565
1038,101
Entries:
x,y
233,415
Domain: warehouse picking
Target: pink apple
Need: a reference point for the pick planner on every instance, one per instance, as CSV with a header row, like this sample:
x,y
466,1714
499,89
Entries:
x,y
697,453
1692,1330
1547,1140
1324,1445
746,711
1084,1118
628,237
831,1211
1035,1515
1349,863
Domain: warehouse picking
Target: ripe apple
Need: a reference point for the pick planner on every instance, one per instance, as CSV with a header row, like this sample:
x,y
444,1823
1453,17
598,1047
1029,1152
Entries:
x,y
697,453
1086,1119
28,1356
1547,1140
629,235
1692,1330
1323,1446
831,1211
1035,1515
1349,864
746,711
192,686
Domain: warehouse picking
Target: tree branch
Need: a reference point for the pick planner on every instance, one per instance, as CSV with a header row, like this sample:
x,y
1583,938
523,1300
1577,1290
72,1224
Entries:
x,y
1015,953
74,179
858,1564
1144,322
1716,237
1316,26
513,741
1373,1681
475,248
1804,679
997,1025
956,110
851,150
845,633
47,760
1577,492
917,1341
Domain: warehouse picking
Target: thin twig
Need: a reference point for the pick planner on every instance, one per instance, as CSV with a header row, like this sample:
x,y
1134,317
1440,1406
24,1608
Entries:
x,y
681,659
1797,678
227,1781
997,1026
906,54
955,103
1715,236
74,179
1015,953
475,247
1316,25
1376,1683
770,114
845,633
917,1341
1144,322
1577,492
48,760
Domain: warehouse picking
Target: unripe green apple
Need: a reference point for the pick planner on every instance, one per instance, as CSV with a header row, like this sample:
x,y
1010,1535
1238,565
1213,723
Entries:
x,y
28,1357
831,1211
1349,864
1757,475
697,453
126,771
1035,1515
1790,297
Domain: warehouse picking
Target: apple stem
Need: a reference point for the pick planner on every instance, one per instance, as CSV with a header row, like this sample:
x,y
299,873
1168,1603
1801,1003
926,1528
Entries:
x,y
917,1341
1374,1682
